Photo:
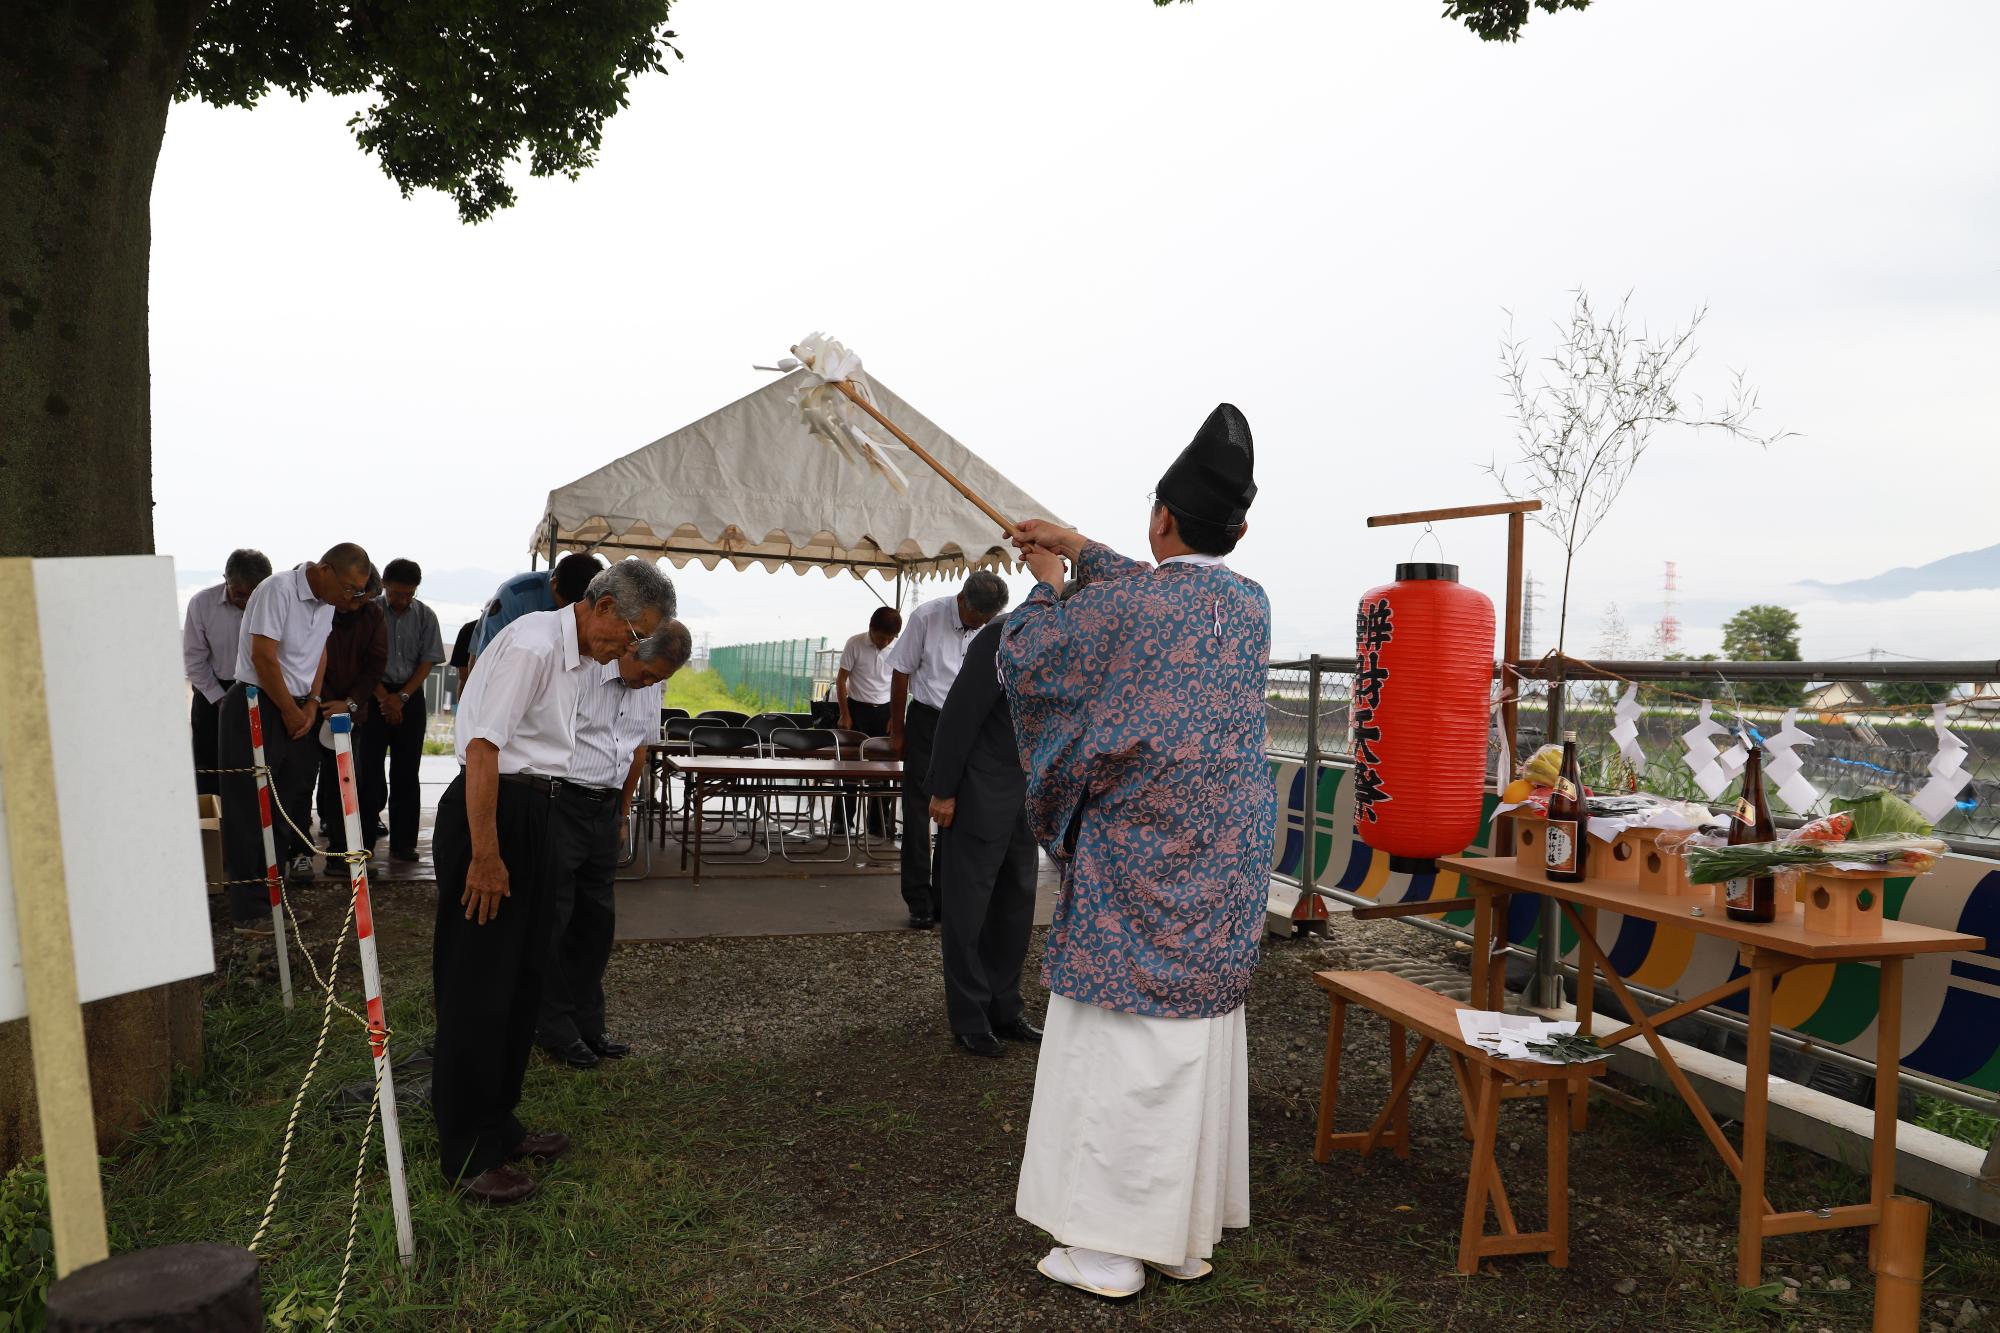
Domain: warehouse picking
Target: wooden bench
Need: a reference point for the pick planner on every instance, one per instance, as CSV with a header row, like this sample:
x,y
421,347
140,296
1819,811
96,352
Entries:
x,y
1482,1079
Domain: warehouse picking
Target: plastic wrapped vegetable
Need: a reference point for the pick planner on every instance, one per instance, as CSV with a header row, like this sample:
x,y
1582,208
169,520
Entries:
x,y
1836,827
1880,812
1895,853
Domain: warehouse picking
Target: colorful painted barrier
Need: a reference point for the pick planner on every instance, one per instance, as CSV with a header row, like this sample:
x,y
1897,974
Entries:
x,y
1951,1002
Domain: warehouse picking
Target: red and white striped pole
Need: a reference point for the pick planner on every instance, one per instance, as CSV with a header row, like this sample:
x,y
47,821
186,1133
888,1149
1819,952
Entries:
x,y
371,979
273,875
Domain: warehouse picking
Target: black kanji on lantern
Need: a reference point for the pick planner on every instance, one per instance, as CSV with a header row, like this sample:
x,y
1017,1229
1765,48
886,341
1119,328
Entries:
x,y
1369,678
1371,626
1365,736
1367,792
1372,632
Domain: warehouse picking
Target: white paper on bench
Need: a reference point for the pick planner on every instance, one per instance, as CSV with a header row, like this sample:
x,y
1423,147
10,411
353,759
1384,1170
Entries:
x,y
1508,1035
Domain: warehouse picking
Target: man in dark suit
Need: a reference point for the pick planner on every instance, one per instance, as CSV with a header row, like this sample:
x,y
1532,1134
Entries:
x,y
987,857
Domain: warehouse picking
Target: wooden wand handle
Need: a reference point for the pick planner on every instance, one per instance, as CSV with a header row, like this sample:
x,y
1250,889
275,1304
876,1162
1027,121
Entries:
x,y
917,449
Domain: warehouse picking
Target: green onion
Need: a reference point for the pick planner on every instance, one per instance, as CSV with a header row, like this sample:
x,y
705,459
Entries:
x,y
1711,865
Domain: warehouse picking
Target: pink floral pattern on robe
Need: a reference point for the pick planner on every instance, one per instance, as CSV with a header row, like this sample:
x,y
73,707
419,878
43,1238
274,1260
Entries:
x,y
1139,706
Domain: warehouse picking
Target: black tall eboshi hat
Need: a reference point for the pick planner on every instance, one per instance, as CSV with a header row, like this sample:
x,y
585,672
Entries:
x,y
1212,479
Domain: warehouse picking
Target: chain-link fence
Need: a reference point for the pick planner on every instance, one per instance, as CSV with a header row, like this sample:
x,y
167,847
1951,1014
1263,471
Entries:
x,y
779,674
1867,734
1290,696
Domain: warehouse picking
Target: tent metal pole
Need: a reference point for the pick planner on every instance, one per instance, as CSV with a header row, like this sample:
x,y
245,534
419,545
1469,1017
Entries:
x,y
552,541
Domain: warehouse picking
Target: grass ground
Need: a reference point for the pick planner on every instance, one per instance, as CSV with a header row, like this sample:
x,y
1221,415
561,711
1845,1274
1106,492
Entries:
x,y
700,691
798,1147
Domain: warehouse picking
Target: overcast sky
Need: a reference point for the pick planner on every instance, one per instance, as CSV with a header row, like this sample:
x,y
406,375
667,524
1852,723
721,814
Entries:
x,y
1065,230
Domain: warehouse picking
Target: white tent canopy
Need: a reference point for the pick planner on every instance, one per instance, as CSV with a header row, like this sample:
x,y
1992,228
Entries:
x,y
748,484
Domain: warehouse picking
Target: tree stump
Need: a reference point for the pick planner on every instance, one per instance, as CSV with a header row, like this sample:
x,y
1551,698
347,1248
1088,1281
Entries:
x,y
203,1288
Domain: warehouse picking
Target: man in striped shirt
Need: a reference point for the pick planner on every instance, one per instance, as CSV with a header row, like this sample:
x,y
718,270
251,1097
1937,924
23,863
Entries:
x,y
617,713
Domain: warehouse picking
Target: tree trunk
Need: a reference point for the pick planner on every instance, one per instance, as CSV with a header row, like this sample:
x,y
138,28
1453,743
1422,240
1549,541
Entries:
x,y
85,87
84,94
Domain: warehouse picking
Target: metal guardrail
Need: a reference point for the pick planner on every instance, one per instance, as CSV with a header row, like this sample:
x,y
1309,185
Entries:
x,y
1856,748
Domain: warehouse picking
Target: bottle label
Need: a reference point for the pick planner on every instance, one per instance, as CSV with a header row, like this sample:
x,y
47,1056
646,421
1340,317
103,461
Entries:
x,y
1559,845
1563,787
1737,892
1746,814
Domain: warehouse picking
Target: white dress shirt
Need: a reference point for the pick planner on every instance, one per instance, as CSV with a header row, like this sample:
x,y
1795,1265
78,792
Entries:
x,y
523,697
612,720
867,669
284,608
932,649
209,640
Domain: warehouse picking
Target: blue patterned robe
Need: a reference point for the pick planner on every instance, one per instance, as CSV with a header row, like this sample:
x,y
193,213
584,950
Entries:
x,y
1139,706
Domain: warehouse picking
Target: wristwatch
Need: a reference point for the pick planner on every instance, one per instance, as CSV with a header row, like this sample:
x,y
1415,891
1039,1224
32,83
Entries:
x,y
314,699
404,695
352,708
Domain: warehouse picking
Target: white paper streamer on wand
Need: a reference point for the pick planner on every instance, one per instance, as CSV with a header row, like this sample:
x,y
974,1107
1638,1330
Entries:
x,y
830,416
1785,768
1948,773
1702,757
1625,729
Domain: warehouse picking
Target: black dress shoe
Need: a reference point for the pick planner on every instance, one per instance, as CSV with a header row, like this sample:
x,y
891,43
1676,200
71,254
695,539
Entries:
x,y
577,1055
1018,1030
501,1185
607,1046
979,1043
922,921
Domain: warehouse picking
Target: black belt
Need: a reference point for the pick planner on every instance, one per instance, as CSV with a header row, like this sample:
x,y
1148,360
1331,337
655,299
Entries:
x,y
914,706
301,700
556,786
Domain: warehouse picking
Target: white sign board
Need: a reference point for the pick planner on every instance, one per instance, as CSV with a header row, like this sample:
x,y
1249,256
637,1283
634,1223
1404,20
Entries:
x,y
118,718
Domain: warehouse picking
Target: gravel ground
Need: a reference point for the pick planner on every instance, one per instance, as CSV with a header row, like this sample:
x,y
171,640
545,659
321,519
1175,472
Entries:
x,y
878,1191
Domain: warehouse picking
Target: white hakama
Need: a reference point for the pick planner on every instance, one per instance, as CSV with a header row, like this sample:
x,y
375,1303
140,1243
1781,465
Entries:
x,y
1139,1140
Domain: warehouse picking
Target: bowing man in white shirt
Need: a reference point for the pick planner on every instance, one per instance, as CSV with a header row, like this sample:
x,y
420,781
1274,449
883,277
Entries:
x,y
617,713
281,649
862,687
516,739
922,666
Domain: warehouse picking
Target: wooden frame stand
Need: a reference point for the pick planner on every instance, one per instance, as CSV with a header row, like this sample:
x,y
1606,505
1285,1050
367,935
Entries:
x,y
1483,1080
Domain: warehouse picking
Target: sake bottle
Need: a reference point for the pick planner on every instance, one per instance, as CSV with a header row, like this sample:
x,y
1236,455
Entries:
x,y
1751,897
1564,843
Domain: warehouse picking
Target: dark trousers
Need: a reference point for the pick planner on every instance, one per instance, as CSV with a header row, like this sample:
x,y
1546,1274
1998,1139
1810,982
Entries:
x,y
583,857
988,888
920,892
488,979
869,720
402,745
293,764
203,719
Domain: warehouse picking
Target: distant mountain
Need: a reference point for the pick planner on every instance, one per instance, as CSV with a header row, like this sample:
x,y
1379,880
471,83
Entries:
x,y
1955,573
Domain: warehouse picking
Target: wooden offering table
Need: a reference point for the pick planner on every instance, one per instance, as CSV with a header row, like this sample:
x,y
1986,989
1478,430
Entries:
x,y
1768,951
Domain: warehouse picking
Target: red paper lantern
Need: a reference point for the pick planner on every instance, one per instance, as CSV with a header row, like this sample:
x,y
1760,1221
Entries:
x,y
1422,686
